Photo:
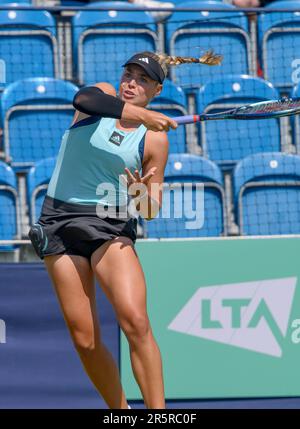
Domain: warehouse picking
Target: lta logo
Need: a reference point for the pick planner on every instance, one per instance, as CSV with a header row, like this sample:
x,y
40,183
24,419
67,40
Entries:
x,y
250,315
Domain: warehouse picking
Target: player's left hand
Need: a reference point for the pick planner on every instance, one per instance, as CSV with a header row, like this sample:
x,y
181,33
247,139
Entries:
x,y
136,178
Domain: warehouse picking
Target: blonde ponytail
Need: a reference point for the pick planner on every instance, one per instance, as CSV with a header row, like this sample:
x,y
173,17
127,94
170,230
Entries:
x,y
209,58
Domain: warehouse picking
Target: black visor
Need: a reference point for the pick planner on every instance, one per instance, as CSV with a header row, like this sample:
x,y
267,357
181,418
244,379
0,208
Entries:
x,y
151,67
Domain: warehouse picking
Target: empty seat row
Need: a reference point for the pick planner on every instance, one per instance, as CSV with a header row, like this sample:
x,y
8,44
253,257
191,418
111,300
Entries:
x,y
81,3
102,41
266,197
34,114
188,34
266,193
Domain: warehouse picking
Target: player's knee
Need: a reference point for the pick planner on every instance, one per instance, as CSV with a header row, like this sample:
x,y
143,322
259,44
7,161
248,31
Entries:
x,y
135,327
84,341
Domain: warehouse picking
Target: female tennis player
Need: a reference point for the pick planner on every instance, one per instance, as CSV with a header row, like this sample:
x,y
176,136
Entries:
x,y
112,136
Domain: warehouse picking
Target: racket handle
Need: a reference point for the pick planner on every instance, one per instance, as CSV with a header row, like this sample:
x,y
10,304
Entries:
x,y
187,119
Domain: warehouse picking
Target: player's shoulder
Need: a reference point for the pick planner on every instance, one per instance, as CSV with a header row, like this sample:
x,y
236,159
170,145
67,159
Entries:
x,y
160,138
105,87
156,144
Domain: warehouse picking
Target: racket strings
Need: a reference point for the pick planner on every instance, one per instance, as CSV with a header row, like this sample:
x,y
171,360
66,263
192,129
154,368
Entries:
x,y
276,106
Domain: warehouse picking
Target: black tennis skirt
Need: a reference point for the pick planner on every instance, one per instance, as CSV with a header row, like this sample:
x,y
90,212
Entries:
x,y
77,229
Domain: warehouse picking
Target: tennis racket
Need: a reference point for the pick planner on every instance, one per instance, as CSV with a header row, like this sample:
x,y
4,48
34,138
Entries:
x,y
262,110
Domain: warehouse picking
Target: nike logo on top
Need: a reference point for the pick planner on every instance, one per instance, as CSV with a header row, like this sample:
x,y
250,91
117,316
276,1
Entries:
x,y
144,59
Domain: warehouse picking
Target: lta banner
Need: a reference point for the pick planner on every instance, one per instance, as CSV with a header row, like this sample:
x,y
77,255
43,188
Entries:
x,y
226,316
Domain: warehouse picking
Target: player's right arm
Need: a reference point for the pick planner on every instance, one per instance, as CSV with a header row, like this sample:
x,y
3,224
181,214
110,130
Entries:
x,y
101,100
153,121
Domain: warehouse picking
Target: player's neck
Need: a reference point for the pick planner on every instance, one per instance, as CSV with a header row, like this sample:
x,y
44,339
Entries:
x,y
126,125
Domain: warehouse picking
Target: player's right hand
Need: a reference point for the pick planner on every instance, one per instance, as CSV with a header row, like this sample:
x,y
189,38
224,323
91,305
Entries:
x,y
156,121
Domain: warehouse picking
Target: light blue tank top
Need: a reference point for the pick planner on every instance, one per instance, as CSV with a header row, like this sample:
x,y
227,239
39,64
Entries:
x,y
92,157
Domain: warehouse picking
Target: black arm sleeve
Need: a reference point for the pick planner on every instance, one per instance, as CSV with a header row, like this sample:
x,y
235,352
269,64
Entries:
x,y
93,101
265,2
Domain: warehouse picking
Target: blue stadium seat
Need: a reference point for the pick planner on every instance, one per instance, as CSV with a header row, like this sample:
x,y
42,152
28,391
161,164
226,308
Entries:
x,y
9,203
174,219
72,3
193,33
267,194
180,3
295,120
35,114
19,2
228,141
28,45
38,179
279,40
78,3
172,102
104,40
